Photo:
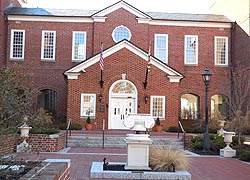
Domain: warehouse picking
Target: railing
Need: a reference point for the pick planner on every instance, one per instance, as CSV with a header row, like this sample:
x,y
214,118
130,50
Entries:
x,y
184,133
68,130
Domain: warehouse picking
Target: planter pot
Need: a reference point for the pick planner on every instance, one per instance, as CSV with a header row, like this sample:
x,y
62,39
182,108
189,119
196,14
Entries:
x,y
158,128
88,127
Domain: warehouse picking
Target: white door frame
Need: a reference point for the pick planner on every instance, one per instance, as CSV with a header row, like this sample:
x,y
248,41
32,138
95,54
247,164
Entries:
x,y
121,95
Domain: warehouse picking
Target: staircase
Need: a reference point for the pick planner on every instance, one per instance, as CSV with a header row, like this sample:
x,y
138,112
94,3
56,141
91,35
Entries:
x,y
112,140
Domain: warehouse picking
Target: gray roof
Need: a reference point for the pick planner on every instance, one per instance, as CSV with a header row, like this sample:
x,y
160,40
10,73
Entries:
x,y
89,13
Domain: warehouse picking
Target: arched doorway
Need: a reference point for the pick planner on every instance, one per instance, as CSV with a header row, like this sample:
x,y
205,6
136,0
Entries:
x,y
122,101
47,100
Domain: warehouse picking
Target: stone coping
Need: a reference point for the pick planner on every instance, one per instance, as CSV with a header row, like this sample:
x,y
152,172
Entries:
x,y
97,172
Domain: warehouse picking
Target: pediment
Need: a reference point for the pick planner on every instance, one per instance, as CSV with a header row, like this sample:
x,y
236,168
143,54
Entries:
x,y
172,74
120,4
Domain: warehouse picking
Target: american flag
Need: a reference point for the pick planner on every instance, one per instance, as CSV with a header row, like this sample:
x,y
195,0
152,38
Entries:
x,y
101,58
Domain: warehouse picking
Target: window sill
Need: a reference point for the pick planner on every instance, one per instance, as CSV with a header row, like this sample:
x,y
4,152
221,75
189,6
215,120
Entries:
x,y
14,59
221,65
48,60
190,64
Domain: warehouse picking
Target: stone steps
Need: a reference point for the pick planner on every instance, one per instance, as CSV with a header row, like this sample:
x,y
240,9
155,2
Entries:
x,y
117,141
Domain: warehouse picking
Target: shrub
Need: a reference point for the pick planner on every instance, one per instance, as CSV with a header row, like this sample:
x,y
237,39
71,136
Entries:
x,y
157,121
161,158
75,126
217,143
197,143
44,130
246,131
173,129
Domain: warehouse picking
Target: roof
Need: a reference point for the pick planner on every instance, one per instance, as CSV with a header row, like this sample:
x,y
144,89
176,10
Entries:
x,y
90,13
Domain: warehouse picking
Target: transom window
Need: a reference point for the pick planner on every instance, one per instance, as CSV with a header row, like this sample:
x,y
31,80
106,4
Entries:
x,y
88,104
120,33
79,46
221,50
161,47
191,49
124,87
157,106
48,45
17,44
189,106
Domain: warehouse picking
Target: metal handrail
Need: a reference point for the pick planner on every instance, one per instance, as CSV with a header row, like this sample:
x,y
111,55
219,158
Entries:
x,y
68,130
184,133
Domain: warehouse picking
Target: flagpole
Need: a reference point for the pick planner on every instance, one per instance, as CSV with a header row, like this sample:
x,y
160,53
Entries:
x,y
101,81
101,66
145,83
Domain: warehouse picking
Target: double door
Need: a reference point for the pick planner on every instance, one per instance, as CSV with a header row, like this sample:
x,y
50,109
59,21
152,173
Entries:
x,y
120,108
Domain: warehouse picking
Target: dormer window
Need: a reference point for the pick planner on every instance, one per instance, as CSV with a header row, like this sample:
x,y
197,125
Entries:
x,y
120,33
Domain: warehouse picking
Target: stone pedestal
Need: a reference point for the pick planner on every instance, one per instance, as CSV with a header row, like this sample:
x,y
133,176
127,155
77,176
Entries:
x,y
23,147
227,152
138,151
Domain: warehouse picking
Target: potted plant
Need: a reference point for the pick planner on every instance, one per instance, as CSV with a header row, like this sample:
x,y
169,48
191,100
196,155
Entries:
x,y
158,126
88,124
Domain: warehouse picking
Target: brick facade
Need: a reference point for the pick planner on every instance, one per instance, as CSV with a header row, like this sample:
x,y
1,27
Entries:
x,y
49,75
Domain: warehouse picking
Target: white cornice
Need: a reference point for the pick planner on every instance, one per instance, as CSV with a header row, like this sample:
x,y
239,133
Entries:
x,y
187,23
99,19
173,75
49,18
123,5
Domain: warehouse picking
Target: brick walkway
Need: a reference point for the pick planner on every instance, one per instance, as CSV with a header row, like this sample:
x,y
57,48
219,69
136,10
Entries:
x,y
201,167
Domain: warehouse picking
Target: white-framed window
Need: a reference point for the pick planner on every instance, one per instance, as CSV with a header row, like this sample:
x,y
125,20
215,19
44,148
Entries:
x,y
120,33
221,50
79,46
88,104
17,44
161,47
157,106
48,45
191,50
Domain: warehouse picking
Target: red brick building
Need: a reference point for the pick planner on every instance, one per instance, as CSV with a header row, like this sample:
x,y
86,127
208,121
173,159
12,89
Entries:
x,y
62,50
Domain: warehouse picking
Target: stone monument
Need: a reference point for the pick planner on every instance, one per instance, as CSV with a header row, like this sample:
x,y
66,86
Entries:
x,y
138,144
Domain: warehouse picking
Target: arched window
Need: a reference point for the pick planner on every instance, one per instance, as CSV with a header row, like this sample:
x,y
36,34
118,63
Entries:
x,y
47,100
189,106
219,106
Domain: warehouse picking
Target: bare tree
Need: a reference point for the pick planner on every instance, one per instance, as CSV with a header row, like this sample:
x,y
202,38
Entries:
x,y
240,102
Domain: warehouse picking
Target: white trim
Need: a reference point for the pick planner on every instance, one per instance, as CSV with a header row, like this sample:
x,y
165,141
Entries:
x,y
196,50
120,95
123,44
73,45
163,106
81,105
141,20
155,49
188,23
119,5
121,26
11,45
49,18
226,51
54,46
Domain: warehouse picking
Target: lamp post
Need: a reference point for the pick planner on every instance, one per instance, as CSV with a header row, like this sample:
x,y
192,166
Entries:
x,y
206,75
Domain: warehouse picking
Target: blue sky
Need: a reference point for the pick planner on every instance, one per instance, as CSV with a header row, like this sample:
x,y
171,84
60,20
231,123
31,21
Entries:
x,y
180,6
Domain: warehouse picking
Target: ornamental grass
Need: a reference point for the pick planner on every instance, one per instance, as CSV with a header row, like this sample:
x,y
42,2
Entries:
x,y
163,158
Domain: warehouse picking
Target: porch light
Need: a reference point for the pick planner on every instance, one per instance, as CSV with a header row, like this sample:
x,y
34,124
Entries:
x,y
146,99
100,97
